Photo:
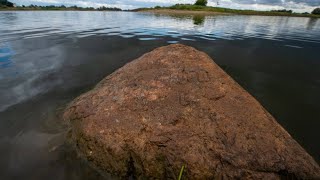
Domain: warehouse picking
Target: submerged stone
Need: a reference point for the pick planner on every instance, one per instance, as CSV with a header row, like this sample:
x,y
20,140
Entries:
x,y
175,107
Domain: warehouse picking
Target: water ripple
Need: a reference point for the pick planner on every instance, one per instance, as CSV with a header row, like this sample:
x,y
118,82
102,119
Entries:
x,y
26,25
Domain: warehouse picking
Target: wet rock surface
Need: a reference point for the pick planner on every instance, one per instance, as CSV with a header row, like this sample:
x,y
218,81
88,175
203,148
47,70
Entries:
x,y
172,107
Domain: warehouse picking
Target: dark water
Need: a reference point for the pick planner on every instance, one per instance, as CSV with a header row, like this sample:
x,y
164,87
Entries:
x,y
48,58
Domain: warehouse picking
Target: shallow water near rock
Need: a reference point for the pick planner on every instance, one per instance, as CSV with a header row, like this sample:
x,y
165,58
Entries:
x,y
49,58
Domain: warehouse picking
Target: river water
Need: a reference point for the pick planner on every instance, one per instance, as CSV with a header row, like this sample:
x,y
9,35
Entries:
x,y
49,58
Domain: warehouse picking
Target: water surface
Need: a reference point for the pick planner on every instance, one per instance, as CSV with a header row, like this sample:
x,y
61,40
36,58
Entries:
x,y
49,58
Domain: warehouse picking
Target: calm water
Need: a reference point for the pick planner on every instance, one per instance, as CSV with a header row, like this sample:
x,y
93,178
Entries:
x,y
48,58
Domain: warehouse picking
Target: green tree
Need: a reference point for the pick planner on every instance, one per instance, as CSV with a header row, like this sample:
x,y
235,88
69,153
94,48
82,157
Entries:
x,y
316,11
6,3
201,2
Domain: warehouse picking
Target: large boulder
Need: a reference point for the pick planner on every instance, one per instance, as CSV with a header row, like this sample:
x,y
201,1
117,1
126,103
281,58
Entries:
x,y
173,107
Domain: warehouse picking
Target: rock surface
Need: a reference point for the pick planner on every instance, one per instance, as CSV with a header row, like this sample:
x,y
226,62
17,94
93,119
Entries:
x,y
172,107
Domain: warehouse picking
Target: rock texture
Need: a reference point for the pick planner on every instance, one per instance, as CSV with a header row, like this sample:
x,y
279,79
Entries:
x,y
172,107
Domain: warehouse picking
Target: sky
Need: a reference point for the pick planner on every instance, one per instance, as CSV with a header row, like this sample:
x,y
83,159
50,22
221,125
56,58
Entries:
x,y
295,5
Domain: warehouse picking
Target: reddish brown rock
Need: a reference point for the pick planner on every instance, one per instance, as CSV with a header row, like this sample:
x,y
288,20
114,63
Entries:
x,y
174,106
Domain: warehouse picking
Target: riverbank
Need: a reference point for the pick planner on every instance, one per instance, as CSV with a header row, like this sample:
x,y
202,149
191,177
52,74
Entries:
x,y
205,10
183,12
57,8
178,9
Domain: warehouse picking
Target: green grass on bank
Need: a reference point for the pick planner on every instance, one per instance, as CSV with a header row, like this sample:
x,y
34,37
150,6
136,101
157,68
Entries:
x,y
189,7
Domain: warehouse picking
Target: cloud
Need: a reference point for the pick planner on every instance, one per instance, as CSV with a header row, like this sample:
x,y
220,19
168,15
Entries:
x,y
296,5
278,2
307,2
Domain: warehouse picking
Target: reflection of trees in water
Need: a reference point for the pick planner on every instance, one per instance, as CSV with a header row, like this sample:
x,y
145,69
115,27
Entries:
x,y
198,19
10,16
312,23
177,17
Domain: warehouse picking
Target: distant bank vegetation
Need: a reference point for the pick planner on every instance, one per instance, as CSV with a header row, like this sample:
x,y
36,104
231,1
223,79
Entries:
x,y
316,11
6,5
201,5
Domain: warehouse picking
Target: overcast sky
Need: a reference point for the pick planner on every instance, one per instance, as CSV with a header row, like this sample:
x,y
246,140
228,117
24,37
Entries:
x,y
296,5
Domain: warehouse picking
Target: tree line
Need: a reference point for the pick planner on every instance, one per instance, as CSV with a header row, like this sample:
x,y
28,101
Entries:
x,y
5,4
62,7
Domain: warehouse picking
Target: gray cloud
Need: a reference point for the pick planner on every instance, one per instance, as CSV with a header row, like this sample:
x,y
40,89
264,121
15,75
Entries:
x,y
279,2
258,1
308,2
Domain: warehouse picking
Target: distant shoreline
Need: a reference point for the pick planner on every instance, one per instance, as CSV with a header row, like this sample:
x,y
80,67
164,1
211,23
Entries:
x,y
56,9
3,10
207,10
182,12
173,10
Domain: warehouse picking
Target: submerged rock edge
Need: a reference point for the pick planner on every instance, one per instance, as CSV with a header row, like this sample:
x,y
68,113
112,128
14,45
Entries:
x,y
174,106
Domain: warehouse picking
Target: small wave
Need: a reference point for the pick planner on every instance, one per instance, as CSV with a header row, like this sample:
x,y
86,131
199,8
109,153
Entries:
x,y
292,46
